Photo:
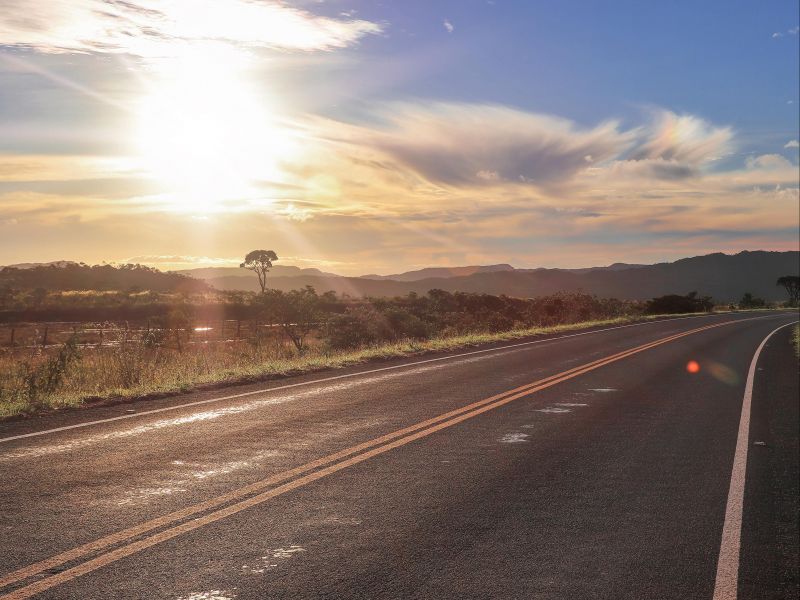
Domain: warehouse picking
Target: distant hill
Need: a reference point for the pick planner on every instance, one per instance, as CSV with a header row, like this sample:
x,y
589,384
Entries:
x,y
55,263
724,277
432,272
277,271
230,278
70,276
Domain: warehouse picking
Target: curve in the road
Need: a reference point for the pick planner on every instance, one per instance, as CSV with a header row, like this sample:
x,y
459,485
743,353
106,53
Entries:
x,y
727,580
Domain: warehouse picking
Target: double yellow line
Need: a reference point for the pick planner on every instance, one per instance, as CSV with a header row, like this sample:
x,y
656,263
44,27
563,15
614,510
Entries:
x,y
176,523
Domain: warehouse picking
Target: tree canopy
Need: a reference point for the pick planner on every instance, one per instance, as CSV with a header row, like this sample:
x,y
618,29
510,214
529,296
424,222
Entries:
x,y
260,261
792,285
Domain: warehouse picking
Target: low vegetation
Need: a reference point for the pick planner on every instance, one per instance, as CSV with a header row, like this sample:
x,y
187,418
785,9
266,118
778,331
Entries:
x,y
65,379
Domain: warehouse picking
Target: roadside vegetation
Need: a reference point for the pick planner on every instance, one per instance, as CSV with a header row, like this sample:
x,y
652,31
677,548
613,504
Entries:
x,y
138,343
69,376
796,340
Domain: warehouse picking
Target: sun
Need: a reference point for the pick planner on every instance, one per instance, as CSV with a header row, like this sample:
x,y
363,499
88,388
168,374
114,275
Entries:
x,y
206,135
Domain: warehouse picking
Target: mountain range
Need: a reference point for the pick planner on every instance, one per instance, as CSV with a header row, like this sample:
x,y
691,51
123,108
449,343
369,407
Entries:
x,y
724,277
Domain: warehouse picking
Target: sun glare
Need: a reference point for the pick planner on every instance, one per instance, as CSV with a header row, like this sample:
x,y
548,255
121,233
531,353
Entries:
x,y
207,136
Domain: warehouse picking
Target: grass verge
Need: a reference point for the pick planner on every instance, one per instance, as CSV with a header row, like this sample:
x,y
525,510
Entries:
x,y
131,373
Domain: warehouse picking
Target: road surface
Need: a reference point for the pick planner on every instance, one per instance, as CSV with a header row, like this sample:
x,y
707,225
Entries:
x,y
590,465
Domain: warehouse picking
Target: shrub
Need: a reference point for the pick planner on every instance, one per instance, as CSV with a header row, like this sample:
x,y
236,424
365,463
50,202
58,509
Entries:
x,y
748,301
46,378
674,304
403,324
359,326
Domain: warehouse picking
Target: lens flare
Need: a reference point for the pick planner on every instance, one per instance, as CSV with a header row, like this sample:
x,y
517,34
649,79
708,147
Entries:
x,y
693,366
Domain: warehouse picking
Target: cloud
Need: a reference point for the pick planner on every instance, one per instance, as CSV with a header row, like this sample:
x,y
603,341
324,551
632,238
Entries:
x,y
768,162
448,26
792,31
478,144
180,261
792,144
163,28
684,139
434,182
60,168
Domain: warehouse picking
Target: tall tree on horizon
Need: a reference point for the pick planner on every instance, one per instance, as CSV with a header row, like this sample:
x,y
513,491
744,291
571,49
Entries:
x,y
260,261
792,285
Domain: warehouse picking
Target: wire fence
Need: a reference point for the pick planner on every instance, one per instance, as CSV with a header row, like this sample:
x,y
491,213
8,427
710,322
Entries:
x,y
22,336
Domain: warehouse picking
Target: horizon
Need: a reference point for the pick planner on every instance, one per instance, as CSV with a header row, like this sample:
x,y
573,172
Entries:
x,y
361,138
235,264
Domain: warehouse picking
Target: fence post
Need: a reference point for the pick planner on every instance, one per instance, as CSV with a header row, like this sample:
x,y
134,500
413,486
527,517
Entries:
x,y
12,337
238,328
44,337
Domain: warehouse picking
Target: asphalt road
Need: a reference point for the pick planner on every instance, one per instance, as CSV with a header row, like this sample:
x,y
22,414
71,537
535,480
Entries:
x,y
451,476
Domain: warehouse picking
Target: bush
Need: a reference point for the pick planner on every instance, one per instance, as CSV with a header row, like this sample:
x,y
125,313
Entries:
x,y
359,326
674,304
46,378
748,301
403,324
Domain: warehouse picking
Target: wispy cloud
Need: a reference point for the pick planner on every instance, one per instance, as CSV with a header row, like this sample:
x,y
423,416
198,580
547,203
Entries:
x,y
448,26
163,28
685,139
180,261
792,31
792,144
476,144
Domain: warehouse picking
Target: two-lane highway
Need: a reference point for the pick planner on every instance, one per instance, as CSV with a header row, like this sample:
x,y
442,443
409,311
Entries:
x,y
589,465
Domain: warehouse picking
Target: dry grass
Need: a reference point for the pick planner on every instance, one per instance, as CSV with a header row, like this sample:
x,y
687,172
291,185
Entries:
x,y
135,370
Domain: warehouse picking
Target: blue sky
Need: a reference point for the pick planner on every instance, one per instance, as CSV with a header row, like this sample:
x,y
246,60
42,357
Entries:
x,y
588,60
372,136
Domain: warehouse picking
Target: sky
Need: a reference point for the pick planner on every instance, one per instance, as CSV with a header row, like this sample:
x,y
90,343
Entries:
x,y
375,137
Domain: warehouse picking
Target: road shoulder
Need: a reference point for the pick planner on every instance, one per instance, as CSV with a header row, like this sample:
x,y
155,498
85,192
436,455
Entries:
x,y
769,559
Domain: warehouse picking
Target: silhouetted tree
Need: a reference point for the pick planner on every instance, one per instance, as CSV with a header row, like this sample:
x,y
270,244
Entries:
x,y
792,285
38,296
296,311
748,301
260,261
7,294
674,304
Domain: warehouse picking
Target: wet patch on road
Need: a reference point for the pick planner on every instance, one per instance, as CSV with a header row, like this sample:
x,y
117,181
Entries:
x,y
272,559
341,521
210,595
184,481
514,438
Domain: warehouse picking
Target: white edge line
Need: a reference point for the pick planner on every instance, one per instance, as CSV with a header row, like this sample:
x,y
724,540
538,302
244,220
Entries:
x,y
346,375
727,581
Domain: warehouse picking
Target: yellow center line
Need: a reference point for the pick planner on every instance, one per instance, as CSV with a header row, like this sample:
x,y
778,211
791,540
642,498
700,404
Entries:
x,y
366,449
